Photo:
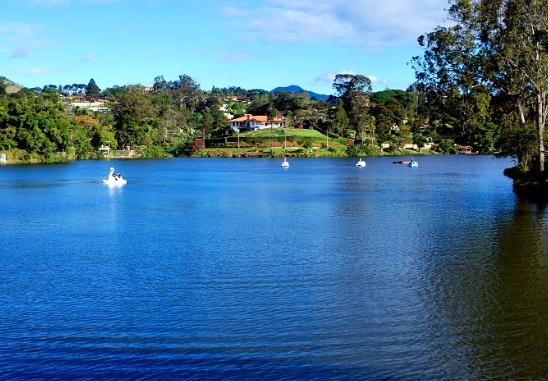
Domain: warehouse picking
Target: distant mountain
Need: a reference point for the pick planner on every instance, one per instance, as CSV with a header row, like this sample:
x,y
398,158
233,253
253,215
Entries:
x,y
298,89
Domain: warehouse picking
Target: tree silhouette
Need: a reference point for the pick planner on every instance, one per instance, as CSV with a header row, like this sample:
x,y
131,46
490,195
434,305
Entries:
x,y
92,90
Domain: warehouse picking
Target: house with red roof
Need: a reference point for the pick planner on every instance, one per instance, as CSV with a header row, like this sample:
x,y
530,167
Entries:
x,y
255,122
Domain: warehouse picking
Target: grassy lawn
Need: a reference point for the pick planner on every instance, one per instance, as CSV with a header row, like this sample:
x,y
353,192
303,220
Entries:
x,y
290,133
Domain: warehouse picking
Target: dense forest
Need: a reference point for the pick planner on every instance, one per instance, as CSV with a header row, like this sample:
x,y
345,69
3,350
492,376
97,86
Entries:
x,y
481,83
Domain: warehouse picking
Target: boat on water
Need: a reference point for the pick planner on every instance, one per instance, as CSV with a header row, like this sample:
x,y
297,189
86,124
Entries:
x,y
360,163
413,163
285,163
114,179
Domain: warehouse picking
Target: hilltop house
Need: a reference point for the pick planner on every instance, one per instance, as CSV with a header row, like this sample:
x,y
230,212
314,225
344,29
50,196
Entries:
x,y
255,122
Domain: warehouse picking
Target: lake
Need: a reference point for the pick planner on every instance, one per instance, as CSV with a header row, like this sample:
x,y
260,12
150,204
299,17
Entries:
x,y
239,269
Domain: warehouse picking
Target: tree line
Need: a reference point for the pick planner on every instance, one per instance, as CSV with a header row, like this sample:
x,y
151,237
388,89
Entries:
x,y
162,120
42,124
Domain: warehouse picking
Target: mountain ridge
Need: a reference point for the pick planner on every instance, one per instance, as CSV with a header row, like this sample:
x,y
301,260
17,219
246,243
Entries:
x,y
298,89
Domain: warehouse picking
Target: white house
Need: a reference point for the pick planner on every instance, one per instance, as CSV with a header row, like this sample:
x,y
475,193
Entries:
x,y
255,122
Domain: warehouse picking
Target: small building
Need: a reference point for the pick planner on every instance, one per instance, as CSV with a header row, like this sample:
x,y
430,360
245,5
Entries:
x,y
255,122
466,150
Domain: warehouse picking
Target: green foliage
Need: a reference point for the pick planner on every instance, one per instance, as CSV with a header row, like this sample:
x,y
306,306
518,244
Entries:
x,y
136,118
446,146
419,140
92,90
36,124
384,96
308,143
494,56
352,151
339,119
519,141
178,147
354,91
151,151
237,109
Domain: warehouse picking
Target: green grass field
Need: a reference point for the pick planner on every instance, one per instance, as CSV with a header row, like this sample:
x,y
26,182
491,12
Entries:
x,y
290,133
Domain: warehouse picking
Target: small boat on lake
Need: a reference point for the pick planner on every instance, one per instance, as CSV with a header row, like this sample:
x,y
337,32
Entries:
x,y
413,163
114,179
360,163
285,163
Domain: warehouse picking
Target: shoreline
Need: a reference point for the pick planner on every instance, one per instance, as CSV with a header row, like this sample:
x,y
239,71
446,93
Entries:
x,y
218,153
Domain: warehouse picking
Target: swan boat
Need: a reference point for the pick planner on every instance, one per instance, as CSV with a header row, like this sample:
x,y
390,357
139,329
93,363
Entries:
x,y
360,163
285,163
114,179
413,163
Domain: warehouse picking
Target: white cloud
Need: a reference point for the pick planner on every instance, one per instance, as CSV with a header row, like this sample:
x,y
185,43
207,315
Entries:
x,y
328,78
324,79
370,23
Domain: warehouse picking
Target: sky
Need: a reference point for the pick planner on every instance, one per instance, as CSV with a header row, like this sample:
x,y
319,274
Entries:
x,y
253,44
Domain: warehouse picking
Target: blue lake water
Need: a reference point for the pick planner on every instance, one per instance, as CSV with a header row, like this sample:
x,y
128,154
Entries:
x,y
238,269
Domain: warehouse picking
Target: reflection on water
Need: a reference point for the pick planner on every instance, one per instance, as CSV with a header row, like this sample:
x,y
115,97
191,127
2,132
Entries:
x,y
520,296
231,269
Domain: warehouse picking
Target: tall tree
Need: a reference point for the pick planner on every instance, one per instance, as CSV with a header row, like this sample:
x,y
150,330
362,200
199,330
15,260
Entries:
x,y
92,90
500,45
355,91
185,91
271,111
206,122
160,83
136,119
340,120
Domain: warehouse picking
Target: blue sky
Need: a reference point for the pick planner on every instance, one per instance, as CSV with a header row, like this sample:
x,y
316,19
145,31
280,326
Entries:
x,y
254,44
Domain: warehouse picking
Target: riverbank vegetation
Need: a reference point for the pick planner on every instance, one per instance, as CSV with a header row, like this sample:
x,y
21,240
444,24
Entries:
x,y
177,118
491,68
